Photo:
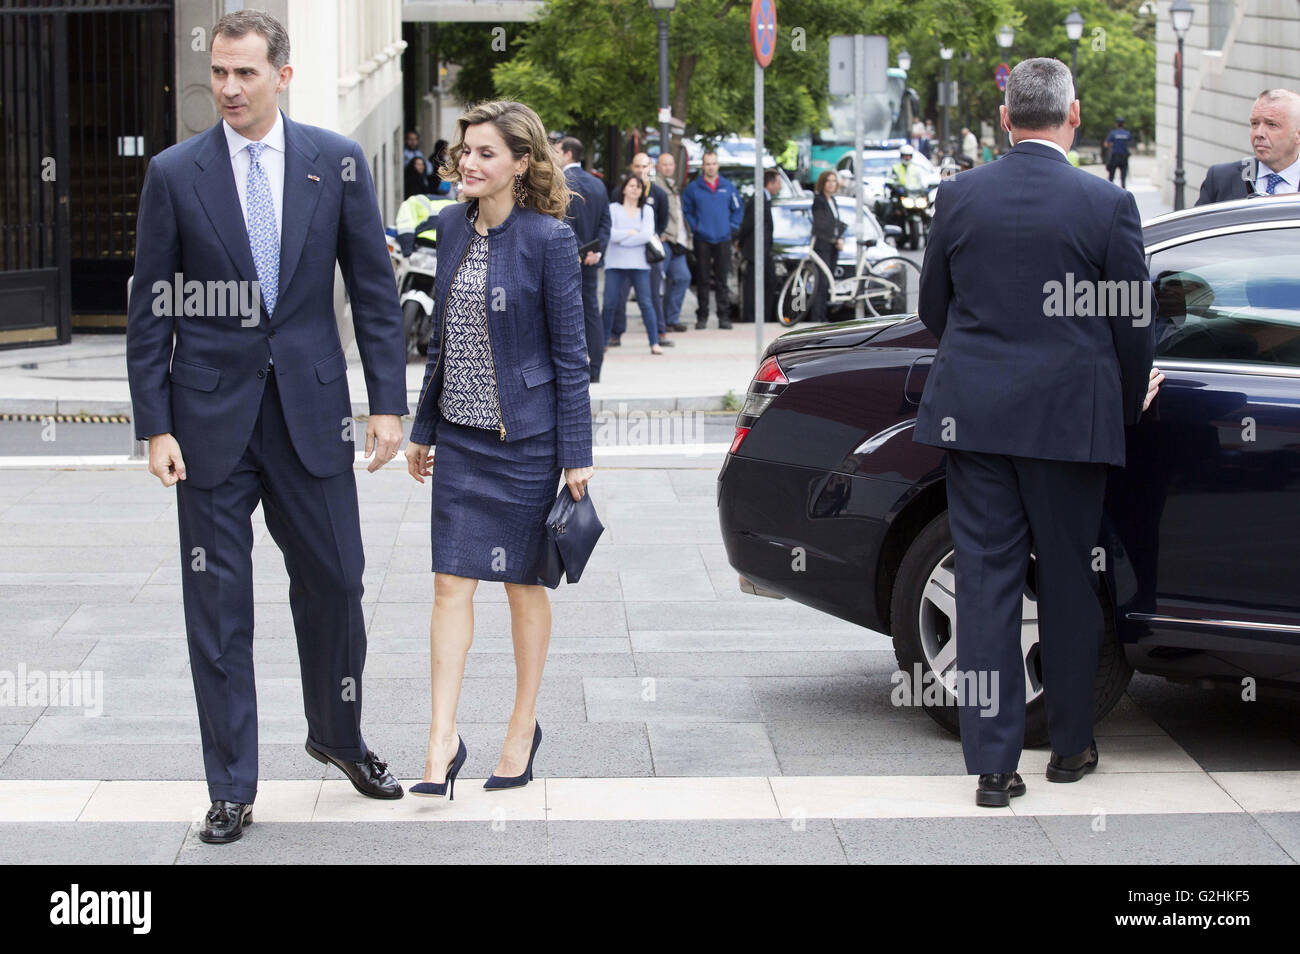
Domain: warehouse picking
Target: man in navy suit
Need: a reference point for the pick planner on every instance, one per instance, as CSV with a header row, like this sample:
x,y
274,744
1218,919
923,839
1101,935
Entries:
x,y
588,216
1275,140
238,381
1042,361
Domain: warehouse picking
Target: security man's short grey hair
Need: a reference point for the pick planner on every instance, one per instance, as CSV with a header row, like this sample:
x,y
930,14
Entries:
x,y
1290,97
1039,93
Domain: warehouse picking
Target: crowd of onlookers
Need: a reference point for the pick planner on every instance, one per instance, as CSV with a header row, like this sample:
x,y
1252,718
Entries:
x,y
636,229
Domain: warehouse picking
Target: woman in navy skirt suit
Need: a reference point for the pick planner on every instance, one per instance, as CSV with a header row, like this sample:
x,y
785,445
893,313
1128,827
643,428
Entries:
x,y
505,402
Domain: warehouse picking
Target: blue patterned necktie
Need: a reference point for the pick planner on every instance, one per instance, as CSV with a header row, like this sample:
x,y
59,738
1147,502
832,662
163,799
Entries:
x,y
1272,182
263,236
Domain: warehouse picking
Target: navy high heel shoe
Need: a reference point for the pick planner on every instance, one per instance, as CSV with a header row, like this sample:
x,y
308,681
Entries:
x,y
448,788
496,782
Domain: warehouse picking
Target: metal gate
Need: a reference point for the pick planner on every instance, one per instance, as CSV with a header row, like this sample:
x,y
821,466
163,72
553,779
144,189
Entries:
x,y
86,97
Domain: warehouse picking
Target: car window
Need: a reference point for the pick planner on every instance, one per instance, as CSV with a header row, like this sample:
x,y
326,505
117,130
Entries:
x,y
792,224
1230,298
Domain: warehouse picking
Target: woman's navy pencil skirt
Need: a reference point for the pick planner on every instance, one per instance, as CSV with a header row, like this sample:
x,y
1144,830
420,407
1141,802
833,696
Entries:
x,y
490,501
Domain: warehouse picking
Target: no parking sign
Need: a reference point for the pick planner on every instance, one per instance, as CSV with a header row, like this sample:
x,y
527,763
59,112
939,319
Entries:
x,y
1000,76
762,30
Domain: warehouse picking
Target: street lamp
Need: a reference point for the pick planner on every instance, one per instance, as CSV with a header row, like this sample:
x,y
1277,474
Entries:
x,y
662,9
1181,15
904,60
1074,30
1006,36
945,54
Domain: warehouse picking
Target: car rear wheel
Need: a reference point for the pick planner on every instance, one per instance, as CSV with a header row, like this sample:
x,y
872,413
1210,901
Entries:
x,y
923,614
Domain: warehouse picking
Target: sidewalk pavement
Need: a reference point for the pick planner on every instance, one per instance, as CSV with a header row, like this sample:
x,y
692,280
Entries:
x,y
683,719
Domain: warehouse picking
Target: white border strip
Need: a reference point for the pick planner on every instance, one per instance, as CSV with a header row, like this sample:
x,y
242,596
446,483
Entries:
x,y
662,798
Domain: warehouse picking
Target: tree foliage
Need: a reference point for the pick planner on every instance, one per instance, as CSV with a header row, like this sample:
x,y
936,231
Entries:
x,y
584,65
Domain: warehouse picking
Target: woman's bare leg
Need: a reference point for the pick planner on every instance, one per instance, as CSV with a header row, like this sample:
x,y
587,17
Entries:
x,y
530,628
451,630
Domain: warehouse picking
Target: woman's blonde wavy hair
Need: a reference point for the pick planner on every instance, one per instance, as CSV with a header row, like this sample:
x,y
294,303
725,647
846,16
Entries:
x,y
545,188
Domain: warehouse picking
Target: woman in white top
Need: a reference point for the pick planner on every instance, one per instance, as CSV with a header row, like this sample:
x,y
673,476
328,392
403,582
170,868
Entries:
x,y
631,226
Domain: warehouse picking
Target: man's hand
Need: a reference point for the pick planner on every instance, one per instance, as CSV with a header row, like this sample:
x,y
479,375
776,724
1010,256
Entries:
x,y
419,463
165,461
1153,385
591,258
383,436
575,478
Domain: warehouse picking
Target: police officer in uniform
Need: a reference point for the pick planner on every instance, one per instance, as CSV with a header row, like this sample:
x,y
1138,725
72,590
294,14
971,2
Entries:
x,y
1117,141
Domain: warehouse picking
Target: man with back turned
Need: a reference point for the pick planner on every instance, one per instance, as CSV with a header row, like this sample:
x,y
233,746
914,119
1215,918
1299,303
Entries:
x,y
1029,395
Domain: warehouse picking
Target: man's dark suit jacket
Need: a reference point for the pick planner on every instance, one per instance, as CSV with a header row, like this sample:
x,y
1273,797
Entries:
x,y
747,228
588,213
1007,378
1223,182
200,377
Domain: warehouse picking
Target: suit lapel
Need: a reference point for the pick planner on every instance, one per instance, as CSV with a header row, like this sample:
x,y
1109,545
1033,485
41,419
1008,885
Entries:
x,y
301,193
215,187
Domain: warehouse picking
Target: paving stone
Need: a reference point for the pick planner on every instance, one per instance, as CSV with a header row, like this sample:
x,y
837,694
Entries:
x,y
145,761
650,699
704,663
361,843
712,749
722,841
91,843
1283,828
1154,839
945,841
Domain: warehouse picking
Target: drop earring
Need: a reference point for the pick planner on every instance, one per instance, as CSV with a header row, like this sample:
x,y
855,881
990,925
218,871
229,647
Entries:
x,y
520,195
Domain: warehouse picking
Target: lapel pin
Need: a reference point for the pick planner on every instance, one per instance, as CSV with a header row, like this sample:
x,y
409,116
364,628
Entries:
x,y
313,178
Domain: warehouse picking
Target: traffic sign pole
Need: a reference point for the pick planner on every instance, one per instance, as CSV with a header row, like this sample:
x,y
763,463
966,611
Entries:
x,y
762,39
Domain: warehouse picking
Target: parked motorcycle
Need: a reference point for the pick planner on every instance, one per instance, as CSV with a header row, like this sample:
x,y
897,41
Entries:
x,y
415,292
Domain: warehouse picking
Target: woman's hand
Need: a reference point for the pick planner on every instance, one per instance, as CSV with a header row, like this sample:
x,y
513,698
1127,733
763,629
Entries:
x,y
419,464
575,478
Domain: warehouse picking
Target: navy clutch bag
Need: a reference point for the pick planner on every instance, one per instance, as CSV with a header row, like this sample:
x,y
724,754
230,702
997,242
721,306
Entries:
x,y
572,529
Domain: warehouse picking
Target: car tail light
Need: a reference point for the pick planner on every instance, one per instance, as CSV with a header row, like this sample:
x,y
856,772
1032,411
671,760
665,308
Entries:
x,y
769,381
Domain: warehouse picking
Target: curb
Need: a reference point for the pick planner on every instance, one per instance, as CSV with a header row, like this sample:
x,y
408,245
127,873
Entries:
x,y
75,407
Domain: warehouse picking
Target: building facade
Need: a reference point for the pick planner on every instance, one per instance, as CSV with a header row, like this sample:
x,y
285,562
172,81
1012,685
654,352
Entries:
x,y
97,87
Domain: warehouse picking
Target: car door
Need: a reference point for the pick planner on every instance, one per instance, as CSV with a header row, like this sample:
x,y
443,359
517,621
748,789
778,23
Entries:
x,y
1208,507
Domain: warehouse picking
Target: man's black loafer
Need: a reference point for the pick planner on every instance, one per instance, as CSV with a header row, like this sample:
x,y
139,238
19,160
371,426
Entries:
x,y
996,790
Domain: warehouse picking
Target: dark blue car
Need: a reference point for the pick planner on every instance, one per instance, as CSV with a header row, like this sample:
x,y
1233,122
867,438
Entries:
x,y
824,497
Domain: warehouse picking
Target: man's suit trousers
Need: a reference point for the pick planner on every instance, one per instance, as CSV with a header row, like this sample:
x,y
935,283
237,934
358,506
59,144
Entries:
x,y
998,507
315,523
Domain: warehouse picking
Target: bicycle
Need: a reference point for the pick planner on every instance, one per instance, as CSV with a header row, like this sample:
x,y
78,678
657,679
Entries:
x,y
888,286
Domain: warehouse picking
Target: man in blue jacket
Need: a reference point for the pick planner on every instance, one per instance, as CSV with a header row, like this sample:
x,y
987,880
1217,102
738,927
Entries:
x,y
251,406
588,216
1029,395
714,212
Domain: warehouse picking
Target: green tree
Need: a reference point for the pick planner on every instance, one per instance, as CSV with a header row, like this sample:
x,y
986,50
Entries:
x,y
1116,63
